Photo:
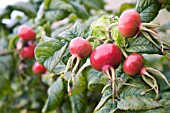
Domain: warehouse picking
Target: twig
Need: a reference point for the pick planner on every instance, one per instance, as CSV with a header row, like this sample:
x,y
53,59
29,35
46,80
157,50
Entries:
x,y
7,52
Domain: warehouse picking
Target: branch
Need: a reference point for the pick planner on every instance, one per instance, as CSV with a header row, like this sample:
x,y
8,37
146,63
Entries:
x,y
5,52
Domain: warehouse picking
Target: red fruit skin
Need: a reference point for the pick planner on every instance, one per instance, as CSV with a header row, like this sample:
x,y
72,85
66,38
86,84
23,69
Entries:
x,y
26,33
133,64
129,23
28,51
80,47
38,68
105,56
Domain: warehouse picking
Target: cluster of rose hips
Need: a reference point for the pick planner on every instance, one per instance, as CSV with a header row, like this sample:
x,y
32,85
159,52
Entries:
x,y
26,46
107,57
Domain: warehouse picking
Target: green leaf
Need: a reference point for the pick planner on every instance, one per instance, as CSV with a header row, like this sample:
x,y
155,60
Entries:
x,y
80,11
66,106
141,45
95,4
118,37
27,8
164,1
60,67
106,95
107,107
140,87
156,110
77,30
79,103
56,94
94,79
99,28
131,98
54,15
137,102
53,60
46,4
148,9
46,49
57,10
80,83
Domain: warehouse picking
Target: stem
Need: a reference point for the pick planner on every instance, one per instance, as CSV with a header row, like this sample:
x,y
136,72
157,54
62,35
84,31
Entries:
x,y
159,74
158,39
90,37
153,25
110,36
112,25
108,74
152,83
150,39
69,89
124,53
106,41
7,52
127,84
68,65
105,88
113,82
75,68
154,35
77,64
117,91
72,61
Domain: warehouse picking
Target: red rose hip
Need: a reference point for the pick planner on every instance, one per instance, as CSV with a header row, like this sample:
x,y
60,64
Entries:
x,y
28,51
19,44
26,33
129,23
80,47
133,64
105,56
38,68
